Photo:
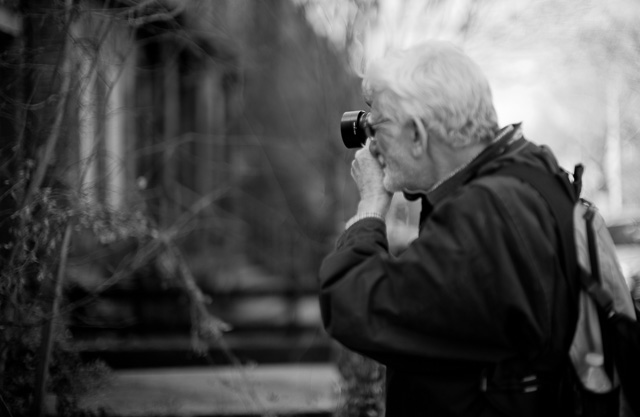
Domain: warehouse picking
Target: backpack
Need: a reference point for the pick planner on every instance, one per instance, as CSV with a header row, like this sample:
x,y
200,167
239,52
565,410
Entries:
x,y
607,332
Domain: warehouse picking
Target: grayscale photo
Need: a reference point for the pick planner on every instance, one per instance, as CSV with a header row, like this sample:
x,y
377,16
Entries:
x,y
319,208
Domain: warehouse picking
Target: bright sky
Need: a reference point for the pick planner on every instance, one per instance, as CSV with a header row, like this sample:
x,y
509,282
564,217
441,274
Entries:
x,y
533,52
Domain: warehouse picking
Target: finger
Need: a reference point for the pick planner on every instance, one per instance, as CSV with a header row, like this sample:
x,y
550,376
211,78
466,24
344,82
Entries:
x,y
364,151
354,169
373,149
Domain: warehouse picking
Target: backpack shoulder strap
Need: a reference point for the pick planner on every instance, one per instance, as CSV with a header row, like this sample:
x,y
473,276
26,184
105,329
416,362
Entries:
x,y
561,195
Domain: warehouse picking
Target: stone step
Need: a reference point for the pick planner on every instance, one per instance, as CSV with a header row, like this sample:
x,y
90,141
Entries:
x,y
239,391
176,350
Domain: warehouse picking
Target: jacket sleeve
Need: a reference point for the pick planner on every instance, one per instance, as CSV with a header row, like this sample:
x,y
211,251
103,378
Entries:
x,y
463,290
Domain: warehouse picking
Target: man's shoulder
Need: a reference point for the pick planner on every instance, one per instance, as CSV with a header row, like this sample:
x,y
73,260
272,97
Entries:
x,y
497,196
486,197
496,185
508,188
516,199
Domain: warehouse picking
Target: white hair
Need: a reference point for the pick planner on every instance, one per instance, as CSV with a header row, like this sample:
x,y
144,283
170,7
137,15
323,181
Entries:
x,y
437,84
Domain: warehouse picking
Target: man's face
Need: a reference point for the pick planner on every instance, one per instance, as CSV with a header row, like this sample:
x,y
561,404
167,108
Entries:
x,y
392,148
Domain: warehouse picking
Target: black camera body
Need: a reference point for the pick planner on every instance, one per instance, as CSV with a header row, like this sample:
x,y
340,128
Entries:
x,y
355,128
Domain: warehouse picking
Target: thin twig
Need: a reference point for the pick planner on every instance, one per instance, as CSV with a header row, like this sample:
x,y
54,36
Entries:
x,y
52,139
4,409
46,344
157,17
152,248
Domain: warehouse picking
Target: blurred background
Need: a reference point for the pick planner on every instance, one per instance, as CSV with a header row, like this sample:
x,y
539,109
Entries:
x,y
172,172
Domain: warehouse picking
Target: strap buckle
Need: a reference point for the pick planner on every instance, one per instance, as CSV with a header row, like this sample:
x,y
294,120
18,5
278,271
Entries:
x,y
526,385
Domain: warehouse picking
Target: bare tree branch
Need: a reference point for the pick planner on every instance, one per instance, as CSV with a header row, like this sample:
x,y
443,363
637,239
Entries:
x,y
54,135
46,342
155,17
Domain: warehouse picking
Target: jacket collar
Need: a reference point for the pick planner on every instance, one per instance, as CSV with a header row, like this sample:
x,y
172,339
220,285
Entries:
x,y
504,140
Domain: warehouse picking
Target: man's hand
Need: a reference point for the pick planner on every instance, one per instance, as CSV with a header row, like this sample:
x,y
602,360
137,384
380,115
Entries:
x,y
367,173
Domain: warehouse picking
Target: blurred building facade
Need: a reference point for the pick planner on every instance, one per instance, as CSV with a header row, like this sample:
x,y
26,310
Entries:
x,y
215,120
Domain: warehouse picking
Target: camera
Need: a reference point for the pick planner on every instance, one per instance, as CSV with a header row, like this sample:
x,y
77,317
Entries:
x,y
355,128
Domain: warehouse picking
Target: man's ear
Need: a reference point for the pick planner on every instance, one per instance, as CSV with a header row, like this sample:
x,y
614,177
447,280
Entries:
x,y
420,139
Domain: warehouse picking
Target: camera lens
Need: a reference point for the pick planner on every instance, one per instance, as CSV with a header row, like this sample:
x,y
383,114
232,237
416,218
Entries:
x,y
353,128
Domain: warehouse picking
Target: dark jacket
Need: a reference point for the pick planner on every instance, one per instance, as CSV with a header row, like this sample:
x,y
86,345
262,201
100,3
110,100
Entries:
x,y
477,299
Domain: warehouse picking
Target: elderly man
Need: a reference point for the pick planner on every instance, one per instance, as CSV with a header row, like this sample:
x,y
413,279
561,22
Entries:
x,y
474,318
